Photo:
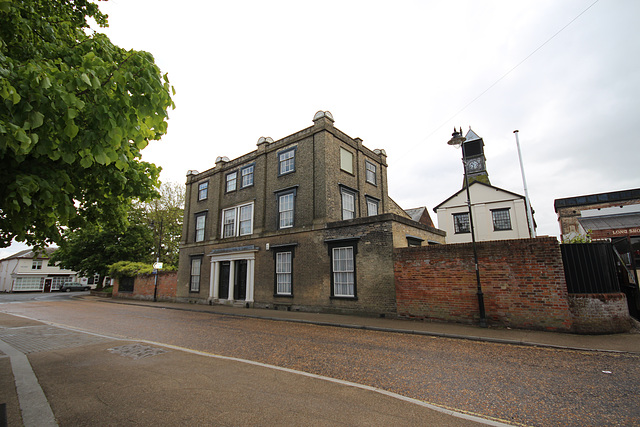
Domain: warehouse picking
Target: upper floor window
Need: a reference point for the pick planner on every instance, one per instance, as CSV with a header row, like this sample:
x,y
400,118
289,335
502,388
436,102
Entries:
x,y
372,206
232,181
348,204
370,172
287,161
36,264
200,224
203,190
346,160
501,219
237,221
461,223
246,176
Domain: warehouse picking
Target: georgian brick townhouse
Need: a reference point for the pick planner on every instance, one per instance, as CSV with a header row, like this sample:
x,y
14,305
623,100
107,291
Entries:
x,y
302,223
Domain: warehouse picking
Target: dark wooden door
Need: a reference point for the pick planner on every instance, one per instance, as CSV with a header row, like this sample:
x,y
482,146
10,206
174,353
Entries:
x,y
240,288
223,290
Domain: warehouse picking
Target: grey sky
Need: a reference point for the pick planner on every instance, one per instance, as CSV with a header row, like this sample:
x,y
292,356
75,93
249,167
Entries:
x,y
400,75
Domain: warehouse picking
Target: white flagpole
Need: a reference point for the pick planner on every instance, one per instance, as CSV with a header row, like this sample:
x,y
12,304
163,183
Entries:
x,y
532,229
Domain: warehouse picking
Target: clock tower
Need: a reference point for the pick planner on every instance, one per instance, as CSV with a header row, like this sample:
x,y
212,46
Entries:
x,y
473,149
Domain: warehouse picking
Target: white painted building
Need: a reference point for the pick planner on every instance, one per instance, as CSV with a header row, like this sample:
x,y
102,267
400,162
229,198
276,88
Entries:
x,y
27,271
497,215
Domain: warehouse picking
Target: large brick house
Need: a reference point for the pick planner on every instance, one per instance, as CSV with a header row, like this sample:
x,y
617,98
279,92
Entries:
x,y
302,223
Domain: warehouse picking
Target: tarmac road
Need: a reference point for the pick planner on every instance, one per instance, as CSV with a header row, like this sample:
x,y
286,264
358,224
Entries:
x,y
523,385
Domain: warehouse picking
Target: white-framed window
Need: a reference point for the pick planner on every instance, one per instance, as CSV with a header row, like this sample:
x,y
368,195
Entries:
x,y
286,209
348,204
246,176
283,273
461,223
36,264
343,271
203,190
194,280
287,161
372,206
28,284
370,172
501,219
201,220
346,160
237,221
232,181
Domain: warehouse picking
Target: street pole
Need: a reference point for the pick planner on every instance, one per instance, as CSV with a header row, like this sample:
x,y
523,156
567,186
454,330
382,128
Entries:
x,y
155,270
532,229
458,139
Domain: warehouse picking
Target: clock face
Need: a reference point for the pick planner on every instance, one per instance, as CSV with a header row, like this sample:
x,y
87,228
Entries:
x,y
474,165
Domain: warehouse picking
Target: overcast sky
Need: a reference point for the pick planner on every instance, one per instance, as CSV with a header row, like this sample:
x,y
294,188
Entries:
x,y
400,75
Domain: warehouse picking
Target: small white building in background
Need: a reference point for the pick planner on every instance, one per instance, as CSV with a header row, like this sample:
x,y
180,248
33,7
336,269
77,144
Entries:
x,y
497,215
28,271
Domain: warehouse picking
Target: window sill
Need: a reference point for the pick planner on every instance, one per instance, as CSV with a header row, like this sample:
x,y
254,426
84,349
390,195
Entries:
x,y
354,298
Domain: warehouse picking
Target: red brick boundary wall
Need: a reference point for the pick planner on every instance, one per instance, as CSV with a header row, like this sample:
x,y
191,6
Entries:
x,y
144,285
600,313
522,281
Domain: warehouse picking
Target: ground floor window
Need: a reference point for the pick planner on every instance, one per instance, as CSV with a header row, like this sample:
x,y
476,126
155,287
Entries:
x,y
194,281
28,284
283,273
343,268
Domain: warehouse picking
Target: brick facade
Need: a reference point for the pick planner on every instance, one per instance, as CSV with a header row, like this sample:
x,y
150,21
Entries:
x,y
240,269
522,281
144,287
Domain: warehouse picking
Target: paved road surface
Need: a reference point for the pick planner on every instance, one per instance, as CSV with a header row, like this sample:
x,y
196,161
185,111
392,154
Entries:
x,y
520,385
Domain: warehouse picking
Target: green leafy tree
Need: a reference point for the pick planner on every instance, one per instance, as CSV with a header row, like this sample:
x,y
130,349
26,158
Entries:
x,y
165,216
92,249
75,113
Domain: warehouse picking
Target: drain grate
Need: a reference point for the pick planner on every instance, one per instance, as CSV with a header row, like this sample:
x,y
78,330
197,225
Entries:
x,y
137,351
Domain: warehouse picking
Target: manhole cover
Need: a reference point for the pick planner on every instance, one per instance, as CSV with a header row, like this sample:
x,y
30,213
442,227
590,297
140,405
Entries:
x,y
137,351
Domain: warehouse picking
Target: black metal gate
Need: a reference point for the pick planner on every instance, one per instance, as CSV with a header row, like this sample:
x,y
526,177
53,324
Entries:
x,y
590,268
597,268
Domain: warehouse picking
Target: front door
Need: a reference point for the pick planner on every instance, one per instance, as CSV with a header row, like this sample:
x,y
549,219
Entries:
x,y
47,285
240,285
223,291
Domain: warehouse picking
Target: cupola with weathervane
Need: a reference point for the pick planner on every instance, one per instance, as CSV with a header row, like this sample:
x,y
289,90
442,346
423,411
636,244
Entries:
x,y
473,147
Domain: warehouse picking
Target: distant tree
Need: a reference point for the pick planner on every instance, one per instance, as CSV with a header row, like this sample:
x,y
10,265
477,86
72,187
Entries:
x,y
92,249
75,113
165,216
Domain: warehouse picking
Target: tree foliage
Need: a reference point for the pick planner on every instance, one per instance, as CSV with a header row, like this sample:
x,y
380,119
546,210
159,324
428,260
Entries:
x,y
92,250
129,269
165,215
75,113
